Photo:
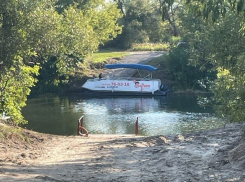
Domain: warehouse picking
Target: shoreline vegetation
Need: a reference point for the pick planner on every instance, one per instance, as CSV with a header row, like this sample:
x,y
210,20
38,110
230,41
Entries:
x,y
213,155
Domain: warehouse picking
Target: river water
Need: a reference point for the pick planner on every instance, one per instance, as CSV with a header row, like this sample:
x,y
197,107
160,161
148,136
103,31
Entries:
x,y
174,114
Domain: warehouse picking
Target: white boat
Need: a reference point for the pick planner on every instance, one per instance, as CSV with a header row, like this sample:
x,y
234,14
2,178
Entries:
x,y
126,85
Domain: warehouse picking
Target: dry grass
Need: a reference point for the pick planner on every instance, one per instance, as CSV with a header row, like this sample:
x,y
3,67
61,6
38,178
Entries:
x,y
150,47
11,133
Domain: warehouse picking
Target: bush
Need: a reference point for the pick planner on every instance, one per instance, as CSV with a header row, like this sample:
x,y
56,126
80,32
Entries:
x,y
184,75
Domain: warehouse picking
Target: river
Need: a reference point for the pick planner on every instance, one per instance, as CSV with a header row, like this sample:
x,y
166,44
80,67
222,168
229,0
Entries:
x,y
173,114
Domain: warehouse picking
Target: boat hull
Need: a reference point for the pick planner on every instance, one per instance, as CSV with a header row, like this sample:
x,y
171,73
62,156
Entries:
x,y
118,93
129,86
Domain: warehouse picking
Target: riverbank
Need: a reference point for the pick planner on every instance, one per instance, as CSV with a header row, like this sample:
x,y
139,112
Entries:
x,y
137,57
214,155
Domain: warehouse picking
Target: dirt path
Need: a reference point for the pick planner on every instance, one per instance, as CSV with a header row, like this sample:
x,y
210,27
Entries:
x,y
141,57
133,58
201,157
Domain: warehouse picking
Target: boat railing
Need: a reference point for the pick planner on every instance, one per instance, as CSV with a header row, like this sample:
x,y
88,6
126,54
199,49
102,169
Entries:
x,y
122,78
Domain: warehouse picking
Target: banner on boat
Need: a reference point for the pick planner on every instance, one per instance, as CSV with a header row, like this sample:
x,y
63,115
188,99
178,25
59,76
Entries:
x,y
122,85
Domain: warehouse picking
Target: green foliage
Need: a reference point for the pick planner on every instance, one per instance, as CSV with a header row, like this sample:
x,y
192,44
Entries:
x,y
220,47
141,24
34,33
184,75
168,9
208,9
215,35
215,9
82,33
83,27
15,85
226,53
174,40
165,6
229,95
49,78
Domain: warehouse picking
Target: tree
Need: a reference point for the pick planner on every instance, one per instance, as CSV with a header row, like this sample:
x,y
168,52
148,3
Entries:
x,y
16,71
227,55
215,35
15,85
32,32
168,10
215,8
141,23
221,44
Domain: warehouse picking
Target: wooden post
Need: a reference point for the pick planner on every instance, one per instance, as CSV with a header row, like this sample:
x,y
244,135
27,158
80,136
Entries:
x,y
136,126
79,123
82,122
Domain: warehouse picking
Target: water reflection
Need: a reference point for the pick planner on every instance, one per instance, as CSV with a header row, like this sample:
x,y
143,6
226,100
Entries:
x,y
164,115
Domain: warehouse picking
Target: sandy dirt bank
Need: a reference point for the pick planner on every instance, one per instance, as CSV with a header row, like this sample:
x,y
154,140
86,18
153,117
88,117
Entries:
x,y
215,155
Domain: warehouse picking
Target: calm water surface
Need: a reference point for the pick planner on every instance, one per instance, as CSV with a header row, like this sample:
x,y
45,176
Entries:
x,y
174,114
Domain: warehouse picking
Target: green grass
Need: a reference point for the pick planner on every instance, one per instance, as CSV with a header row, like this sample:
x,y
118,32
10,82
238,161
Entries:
x,y
150,47
97,60
103,55
158,60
